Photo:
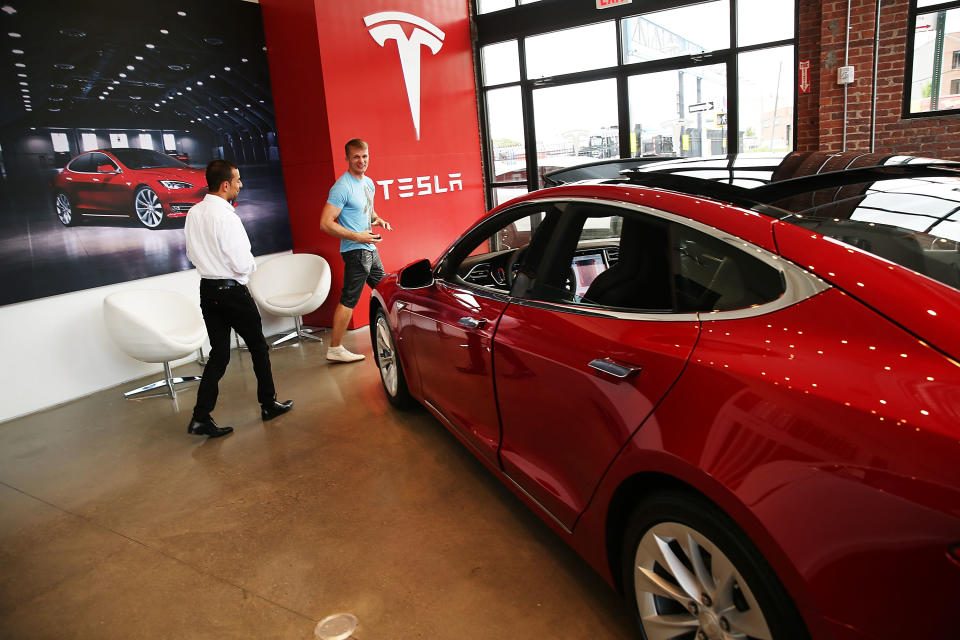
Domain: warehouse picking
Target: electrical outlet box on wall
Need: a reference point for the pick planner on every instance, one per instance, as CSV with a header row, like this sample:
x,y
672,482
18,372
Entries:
x,y
844,75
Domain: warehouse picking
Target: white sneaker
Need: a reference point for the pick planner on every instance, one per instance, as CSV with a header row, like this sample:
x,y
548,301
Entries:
x,y
340,354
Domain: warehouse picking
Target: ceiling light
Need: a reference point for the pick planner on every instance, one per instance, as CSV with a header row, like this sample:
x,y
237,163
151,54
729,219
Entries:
x,y
189,88
122,75
19,64
212,76
134,97
130,67
150,46
226,68
13,34
116,82
21,75
182,14
8,9
138,57
200,82
19,52
24,84
243,60
63,66
25,90
102,98
164,31
179,93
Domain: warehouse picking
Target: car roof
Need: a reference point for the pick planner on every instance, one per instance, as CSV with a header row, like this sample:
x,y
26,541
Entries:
x,y
758,181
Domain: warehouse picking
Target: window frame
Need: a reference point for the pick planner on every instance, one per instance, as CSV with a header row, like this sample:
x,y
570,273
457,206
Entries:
x,y
545,16
912,14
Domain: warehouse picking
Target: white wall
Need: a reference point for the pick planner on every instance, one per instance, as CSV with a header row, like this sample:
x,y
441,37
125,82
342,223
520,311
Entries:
x,y
57,349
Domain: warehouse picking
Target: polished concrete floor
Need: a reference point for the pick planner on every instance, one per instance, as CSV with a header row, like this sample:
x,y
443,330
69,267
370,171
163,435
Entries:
x,y
114,523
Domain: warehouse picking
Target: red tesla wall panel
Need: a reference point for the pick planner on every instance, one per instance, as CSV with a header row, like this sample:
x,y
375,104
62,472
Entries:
x,y
398,74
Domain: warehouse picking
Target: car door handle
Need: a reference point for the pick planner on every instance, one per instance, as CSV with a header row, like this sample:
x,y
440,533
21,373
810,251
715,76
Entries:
x,y
615,369
472,323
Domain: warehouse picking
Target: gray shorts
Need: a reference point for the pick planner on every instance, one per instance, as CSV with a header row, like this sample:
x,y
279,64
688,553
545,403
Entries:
x,y
360,265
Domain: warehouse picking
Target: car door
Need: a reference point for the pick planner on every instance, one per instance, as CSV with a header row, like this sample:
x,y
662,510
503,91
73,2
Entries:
x,y
114,193
80,175
450,326
576,377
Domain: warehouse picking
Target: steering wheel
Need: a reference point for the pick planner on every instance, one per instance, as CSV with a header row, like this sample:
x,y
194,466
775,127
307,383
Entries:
x,y
514,260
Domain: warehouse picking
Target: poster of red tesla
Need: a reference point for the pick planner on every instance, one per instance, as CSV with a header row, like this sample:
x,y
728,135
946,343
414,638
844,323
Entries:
x,y
109,113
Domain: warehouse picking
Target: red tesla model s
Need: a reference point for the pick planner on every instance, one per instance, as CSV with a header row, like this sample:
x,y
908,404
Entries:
x,y
732,384
127,182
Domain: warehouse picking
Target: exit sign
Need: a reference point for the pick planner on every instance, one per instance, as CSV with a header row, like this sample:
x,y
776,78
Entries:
x,y
606,4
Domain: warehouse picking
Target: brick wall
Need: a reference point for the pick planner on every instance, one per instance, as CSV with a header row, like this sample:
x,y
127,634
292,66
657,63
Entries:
x,y
820,113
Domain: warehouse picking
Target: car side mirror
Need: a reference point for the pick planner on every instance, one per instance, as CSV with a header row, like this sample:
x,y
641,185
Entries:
x,y
416,275
105,168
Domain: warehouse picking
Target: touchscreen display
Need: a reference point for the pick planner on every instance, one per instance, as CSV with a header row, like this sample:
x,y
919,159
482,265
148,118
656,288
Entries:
x,y
585,269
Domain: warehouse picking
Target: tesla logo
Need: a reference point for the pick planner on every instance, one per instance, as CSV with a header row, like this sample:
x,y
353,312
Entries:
x,y
383,26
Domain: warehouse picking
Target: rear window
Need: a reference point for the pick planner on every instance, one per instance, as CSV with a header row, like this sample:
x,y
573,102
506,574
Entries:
x,y
913,222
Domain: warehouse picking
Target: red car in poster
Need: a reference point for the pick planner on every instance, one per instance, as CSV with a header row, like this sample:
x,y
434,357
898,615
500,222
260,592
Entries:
x,y
731,384
127,182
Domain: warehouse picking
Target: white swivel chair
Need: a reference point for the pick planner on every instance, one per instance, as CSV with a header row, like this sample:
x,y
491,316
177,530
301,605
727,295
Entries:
x,y
155,326
292,286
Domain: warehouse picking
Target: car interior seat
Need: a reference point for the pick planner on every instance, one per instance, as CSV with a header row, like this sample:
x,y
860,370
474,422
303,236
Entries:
x,y
641,277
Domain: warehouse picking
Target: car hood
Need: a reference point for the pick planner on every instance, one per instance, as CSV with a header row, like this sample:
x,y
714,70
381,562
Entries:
x,y
189,174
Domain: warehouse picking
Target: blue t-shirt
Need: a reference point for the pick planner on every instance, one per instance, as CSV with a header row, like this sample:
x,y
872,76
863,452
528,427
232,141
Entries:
x,y
354,198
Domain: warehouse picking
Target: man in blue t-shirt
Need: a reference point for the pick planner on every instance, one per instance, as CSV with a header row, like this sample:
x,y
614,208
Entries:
x,y
349,215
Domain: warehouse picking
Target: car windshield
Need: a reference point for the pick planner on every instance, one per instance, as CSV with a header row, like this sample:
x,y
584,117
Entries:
x,y
145,159
914,222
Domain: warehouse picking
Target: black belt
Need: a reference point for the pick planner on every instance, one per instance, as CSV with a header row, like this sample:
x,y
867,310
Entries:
x,y
221,284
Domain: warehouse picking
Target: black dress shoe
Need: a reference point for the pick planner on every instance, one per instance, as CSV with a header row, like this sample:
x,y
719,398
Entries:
x,y
207,428
273,409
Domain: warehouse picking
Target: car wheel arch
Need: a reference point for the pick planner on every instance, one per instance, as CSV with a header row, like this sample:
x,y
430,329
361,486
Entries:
x,y
634,488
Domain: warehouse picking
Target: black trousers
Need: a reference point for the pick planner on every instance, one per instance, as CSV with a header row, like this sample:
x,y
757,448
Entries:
x,y
226,308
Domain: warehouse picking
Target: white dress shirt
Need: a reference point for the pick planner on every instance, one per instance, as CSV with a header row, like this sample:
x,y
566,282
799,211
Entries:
x,y
217,243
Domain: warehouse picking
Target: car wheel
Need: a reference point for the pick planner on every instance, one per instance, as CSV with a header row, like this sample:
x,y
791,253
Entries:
x,y
64,209
148,208
388,361
688,571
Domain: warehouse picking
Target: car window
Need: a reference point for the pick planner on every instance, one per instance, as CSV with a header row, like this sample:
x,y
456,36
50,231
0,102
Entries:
x,y
146,159
492,254
82,163
99,159
629,261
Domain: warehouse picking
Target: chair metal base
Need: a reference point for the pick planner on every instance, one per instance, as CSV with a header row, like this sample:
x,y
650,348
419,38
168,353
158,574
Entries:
x,y
168,381
300,332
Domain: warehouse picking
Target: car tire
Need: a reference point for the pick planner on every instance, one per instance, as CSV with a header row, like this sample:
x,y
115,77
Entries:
x,y
674,544
64,207
388,362
147,207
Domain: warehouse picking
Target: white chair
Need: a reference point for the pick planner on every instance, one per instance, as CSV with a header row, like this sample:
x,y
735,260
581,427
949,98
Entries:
x,y
292,286
155,326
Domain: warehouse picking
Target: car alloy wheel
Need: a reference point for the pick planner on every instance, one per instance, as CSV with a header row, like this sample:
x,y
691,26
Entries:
x,y
388,361
64,209
690,572
148,207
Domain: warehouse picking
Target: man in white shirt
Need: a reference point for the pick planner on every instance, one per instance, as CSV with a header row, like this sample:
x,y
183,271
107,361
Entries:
x,y
218,246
